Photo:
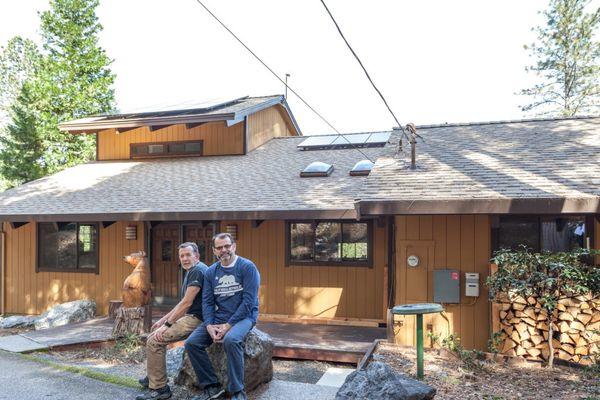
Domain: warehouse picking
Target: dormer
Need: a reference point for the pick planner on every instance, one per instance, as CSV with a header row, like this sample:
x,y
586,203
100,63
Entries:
x,y
233,127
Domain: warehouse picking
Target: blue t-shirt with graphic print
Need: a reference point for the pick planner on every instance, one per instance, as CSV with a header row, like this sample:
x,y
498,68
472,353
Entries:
x,y
230,294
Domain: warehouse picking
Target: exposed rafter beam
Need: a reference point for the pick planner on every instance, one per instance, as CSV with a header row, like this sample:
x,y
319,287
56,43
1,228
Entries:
x,y
157,127
106,224
123,130
194,125
17,225
152,224
256,222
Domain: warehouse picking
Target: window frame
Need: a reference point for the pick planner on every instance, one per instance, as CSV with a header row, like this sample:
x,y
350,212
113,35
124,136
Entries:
x,y
342,263
166,154
77,269
495,226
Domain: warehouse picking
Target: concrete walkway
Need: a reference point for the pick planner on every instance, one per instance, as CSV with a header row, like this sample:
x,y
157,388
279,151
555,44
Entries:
x,y
94,330
23,379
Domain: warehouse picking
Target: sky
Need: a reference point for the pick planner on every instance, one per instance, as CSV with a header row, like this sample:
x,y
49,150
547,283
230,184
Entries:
x,y
434,61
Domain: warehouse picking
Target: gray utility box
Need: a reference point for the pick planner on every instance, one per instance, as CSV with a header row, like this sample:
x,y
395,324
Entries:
x,y
446,286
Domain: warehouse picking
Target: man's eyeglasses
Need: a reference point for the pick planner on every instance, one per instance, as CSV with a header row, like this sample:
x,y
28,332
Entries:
x,y
225,246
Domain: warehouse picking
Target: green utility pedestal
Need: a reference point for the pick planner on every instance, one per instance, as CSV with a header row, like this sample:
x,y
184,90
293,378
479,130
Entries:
x,y
418,309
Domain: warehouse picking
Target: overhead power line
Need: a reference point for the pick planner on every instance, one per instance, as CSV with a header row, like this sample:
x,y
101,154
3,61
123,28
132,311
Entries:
x,y
282,81
365,70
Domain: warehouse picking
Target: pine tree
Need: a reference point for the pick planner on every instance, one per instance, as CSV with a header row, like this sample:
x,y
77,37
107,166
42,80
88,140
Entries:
x,y
568,61
73,80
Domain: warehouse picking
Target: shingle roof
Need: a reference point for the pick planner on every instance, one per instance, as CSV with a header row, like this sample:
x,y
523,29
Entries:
x,y
557,160
230,110
263,182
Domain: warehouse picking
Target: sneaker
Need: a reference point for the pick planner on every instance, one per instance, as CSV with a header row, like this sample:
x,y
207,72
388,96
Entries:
x,y
210,393
156,394
241,395
145,382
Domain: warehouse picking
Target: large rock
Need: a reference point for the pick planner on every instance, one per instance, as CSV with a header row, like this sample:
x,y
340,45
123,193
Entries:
x,y
66,313
17,321
378,381
258,365
175,360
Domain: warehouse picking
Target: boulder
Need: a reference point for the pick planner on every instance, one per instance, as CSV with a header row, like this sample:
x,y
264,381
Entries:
x,y
379,381
175,360
17,321
66,313
258,365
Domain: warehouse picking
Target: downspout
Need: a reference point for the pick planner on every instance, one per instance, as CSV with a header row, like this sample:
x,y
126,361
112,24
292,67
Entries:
x,y
391,277
3,269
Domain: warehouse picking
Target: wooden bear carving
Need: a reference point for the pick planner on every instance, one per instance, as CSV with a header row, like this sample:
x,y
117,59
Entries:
x,y
136,288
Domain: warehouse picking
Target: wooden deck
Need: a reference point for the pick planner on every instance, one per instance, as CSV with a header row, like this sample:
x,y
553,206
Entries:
x,y
292,340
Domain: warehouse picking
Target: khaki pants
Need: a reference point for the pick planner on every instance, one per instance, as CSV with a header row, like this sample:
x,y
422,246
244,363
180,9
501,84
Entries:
x,y
156,351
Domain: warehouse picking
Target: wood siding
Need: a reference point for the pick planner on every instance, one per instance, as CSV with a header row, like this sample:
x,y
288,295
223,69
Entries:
x,y
28,292
217,139
315,291
460,242
267,124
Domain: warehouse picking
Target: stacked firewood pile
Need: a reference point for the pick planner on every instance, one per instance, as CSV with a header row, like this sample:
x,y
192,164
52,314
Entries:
x,y
524,330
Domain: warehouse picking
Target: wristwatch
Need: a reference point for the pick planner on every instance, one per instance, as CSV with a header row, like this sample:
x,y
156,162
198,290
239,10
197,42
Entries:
x,y
168,324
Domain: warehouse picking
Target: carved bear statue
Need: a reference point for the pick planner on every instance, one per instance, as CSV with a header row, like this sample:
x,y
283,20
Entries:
x,y
136,288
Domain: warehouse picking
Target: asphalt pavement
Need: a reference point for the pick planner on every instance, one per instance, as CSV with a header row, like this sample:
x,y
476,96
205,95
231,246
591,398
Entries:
x,y
24,379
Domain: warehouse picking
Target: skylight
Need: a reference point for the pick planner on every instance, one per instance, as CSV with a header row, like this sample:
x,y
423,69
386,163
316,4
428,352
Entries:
x,y
362,167
317,168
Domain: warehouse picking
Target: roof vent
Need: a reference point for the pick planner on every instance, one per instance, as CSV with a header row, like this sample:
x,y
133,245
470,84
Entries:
x,y
361,168
317,168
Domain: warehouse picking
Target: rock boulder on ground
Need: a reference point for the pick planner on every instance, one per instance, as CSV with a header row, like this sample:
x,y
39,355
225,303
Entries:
x,y
17,321
66,313
379,381
258,365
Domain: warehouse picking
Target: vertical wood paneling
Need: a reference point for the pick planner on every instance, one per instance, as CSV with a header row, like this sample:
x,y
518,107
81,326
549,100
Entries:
x,y
217,139
267,124
453,242
344,292
29,292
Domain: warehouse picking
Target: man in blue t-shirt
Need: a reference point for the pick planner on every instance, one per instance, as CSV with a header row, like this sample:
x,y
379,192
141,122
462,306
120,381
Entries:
x,y
176,325
230,310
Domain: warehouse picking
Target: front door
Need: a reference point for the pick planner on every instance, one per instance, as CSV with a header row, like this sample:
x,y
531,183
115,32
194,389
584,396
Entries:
x,y
167,275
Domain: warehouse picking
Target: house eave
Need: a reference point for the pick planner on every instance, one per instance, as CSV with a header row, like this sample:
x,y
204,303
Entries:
x,y
588,205
185,216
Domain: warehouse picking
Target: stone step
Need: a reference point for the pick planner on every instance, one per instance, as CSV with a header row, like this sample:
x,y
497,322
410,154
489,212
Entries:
x,y
277,390
335,377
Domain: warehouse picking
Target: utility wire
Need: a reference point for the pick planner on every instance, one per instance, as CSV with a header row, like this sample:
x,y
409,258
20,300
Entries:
x,y
282,81
365,70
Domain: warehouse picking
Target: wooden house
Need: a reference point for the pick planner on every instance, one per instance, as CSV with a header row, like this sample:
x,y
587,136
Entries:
x,y
332,243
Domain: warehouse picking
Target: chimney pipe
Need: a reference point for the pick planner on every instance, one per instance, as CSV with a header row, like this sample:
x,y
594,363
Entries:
x,y
413,145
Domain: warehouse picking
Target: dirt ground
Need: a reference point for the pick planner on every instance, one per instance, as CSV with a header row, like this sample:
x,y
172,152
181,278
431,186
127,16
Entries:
x,y
490,380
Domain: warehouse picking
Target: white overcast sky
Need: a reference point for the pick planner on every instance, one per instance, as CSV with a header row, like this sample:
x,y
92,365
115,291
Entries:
x,y
435,61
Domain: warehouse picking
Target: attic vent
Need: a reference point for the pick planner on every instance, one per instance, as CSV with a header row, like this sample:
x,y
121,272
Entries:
x,y
362,167
317,168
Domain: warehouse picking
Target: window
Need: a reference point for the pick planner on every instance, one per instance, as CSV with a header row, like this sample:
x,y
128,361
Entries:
x,y
67,246
167,250
329,243
362,168
553,234
317,168
169,149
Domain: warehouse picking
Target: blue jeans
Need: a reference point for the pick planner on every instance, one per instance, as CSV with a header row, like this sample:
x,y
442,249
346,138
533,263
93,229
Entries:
x,y
199,340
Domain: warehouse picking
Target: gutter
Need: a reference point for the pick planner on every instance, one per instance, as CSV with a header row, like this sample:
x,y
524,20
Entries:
x,y
2,269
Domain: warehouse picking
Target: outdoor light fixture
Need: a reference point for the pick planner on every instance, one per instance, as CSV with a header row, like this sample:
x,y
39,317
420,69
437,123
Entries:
x,y
232,230
131,232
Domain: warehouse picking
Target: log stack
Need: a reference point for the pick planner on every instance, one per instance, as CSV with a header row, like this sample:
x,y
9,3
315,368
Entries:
x,y
523,327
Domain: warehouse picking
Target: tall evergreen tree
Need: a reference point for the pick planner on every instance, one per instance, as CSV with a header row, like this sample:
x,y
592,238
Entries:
x,y
74,80
567,61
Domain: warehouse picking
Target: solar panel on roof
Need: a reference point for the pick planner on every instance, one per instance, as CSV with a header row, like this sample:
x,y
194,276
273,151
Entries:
x,y
317,141
345,141
378,138
317,168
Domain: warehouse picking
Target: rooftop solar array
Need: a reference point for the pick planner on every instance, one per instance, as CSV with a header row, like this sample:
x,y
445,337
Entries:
x,y
322,142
